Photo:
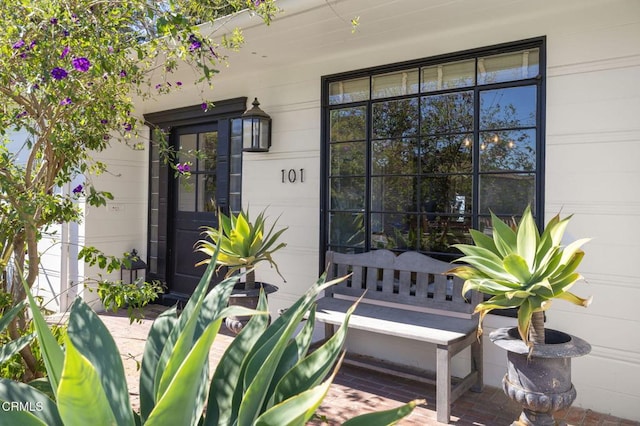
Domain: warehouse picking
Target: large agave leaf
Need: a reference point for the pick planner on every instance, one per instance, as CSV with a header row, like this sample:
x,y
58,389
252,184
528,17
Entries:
x,y
94,342
570,297
517,266
527,238
176,406
156,339
310,371
264,360
489,286
384,418
503,236
225,390
52,354
81,397
11,390
297,410
21,418
482,240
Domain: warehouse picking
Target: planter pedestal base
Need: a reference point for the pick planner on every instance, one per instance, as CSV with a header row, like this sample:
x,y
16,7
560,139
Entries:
x,y
540,381
248,299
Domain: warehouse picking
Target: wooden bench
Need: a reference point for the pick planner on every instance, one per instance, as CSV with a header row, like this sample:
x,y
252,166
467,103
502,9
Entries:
x,y
407,296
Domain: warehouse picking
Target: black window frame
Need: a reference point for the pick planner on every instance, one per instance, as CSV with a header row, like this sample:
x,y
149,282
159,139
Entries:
x,y
326,108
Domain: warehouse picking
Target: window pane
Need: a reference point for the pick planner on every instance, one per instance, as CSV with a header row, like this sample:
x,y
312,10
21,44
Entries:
x,y
508,150
509,66
394,231
508,108
395,118
187,148
442,232
347,193
208,145
449,113
446,195
395,84
393,193
395,156
506,194
448,76
347,158
447,154
207,192
186,195
346,229
348,124
355,90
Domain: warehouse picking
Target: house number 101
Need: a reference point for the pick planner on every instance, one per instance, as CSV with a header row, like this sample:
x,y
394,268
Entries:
x,y
292,176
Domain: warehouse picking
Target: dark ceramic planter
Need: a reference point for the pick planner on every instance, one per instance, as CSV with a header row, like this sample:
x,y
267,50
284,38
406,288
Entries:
x,y
540,381
247,299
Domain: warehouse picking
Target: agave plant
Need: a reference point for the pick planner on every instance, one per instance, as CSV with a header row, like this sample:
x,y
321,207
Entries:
x,y
519,268
242,244
266,377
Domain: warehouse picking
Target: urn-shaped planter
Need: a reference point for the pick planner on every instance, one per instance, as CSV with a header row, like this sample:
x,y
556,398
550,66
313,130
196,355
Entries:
x,y
539,379
247,298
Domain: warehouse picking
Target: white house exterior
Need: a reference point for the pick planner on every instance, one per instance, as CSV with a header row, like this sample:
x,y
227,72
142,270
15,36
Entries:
x,y
586,135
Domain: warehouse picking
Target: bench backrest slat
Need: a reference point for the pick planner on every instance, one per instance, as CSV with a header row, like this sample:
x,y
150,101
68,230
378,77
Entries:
x,y
410,278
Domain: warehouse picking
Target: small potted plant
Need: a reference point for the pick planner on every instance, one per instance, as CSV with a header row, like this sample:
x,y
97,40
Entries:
x,y
523,269
243,244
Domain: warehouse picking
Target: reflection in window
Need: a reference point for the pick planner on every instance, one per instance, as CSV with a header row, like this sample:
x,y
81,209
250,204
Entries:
x,y
417,157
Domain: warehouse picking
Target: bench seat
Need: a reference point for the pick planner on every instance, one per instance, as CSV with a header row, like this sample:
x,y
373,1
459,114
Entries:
x,y
407,296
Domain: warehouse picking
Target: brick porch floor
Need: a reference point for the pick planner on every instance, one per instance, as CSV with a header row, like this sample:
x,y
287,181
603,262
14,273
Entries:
x,y
357,391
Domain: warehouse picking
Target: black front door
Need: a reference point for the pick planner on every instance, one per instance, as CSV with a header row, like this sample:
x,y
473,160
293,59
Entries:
x,y
194,202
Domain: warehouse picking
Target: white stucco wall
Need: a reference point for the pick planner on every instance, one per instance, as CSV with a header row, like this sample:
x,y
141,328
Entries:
x,y
592,149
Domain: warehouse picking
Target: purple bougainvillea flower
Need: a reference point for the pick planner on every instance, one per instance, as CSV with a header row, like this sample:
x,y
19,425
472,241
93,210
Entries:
x,y
128,127
65,52
123,73
18,44
104,121
53,21
195,43
65,101
81,64
183,168
65,33
204,106
21,114
178,83
159,85
59,73
77,189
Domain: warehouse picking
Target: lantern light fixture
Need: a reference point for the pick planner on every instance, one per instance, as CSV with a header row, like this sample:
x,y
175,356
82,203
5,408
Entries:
x,y
256,129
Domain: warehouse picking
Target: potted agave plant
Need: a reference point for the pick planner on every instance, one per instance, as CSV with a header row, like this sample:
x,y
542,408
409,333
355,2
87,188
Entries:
x,y
523,269
243,244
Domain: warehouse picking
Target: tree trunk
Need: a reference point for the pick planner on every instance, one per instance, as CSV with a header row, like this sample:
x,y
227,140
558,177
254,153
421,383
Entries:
x,y
536,330
250,280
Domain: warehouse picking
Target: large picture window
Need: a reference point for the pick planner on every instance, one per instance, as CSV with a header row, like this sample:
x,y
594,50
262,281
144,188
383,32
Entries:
x,y
418,153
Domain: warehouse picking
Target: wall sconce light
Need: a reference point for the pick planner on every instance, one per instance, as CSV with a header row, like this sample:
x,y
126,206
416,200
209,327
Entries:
x,y
256,129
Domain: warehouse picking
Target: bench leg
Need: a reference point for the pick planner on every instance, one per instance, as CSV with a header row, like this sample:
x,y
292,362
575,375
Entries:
x,y
477,364
443,384
328,330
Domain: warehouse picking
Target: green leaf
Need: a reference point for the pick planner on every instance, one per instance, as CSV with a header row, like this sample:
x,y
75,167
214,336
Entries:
x,y
47,411
517,266
297,410
503,236
570,297
19,417
14,346
81,397
225,390
524,320
95,343
312,369
8,316
156,339
527,238
384,418
52,354
482,240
